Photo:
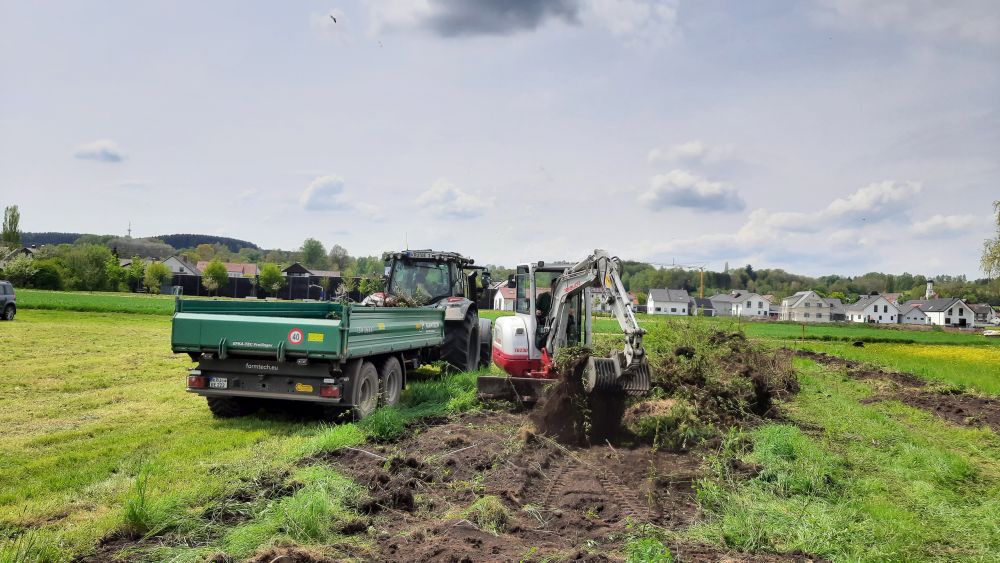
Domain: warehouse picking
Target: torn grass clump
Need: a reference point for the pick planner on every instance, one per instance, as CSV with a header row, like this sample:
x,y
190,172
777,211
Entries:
x,y
489,513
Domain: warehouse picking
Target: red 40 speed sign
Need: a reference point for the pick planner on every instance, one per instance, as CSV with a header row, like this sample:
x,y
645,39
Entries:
x,y
295,336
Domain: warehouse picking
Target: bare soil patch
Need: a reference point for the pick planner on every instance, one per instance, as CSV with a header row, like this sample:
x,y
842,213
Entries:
x,y
961,408
563,502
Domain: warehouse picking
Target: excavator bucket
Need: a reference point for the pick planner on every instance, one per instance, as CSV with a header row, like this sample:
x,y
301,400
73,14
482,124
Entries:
x,y
518,389
604,375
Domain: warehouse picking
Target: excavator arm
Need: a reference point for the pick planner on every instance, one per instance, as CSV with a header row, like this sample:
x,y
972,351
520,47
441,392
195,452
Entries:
x,y
627,369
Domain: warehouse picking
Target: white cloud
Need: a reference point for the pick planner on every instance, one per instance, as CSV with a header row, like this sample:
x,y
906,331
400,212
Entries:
x,y
679,188
974,21
850,232
872,204
371,212
103,150
692,152
637,21
324,192
944,226
877,199
446,200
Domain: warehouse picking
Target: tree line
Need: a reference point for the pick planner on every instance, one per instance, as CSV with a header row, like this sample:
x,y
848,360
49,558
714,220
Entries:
x,y
91,263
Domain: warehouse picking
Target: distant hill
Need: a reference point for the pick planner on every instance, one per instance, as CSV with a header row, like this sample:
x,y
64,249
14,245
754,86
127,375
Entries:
x,y
191,240
185,240
38,239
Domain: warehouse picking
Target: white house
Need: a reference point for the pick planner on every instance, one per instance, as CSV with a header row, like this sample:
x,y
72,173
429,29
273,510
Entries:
x,y
750,305
179,266
947,311
874,308
912,315
504,298
668,302
809,307
985,315
741,303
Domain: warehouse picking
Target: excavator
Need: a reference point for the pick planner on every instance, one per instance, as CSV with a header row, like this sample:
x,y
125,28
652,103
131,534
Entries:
x,y
553,309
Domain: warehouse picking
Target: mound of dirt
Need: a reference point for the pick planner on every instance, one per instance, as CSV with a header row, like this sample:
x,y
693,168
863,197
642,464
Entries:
x,y
572,416
725,378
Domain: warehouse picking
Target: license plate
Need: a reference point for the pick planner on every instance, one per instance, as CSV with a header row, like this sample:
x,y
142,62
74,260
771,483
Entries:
x,y
218,383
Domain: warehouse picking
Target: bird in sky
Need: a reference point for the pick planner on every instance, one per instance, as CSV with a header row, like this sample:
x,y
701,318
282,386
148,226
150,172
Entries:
x,y
333,18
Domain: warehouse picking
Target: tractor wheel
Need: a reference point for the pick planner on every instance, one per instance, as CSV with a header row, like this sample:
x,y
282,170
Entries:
x,y
486,348
231,407
8,313
364,392
461,343
390,382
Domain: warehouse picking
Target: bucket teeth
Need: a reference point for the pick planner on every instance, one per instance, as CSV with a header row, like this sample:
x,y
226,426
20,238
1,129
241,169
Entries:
x,y
606,375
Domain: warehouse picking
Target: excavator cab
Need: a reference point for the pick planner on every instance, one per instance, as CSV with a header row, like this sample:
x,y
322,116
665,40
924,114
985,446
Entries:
x,y
553,309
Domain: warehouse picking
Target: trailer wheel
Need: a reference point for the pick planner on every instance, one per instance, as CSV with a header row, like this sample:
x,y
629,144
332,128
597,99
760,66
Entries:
x,y
230,407
390,382
364,392
461,343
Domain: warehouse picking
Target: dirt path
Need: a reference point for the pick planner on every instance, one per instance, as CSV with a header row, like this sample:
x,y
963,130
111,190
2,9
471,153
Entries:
x,y
960,408
567,503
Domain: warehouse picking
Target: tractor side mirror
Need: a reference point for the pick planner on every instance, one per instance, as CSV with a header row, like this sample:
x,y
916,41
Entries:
x,y
487,279
511,281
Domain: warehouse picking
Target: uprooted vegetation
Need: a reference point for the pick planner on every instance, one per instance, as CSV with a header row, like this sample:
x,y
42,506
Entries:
x,y
703,382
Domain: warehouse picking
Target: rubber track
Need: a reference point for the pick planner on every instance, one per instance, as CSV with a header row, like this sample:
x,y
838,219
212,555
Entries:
x,y
625,496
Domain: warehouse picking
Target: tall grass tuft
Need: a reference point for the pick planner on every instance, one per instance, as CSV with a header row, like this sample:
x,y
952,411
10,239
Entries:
x,y
384,425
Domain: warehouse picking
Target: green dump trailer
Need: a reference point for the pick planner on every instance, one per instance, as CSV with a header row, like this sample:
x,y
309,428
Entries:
x,y
338,356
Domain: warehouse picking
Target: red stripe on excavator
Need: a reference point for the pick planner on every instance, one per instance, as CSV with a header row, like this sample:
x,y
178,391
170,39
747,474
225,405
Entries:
x,y
515,365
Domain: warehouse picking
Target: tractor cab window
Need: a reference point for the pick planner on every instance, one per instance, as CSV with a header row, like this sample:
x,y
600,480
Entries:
x,y
459,276
427,281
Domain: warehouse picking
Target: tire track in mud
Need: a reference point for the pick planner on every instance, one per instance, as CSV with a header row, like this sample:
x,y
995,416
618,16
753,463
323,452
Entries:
x,y
626,498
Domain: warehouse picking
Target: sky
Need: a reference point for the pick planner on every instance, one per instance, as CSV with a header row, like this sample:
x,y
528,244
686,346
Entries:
x,y
823,137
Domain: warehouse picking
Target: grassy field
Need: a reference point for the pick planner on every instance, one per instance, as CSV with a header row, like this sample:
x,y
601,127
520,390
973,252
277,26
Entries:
x,y
100,436
865,482
95,302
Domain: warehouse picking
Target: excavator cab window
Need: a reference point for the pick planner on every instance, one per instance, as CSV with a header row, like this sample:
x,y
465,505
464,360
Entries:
x,y
521,302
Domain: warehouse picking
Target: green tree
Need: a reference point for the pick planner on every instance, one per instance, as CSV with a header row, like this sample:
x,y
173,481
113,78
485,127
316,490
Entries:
x,y
116,274
157,273
135,273
87,267
49,275
11,236
339,258
214,276
270,279
313,254
205,252
21,271
990,261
